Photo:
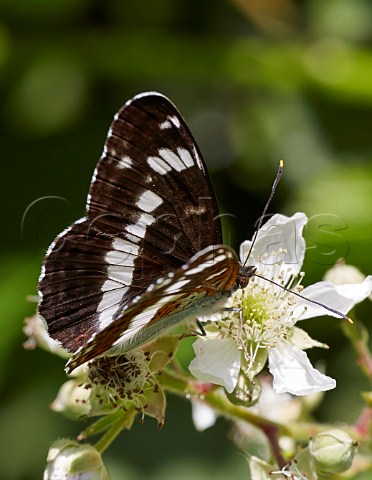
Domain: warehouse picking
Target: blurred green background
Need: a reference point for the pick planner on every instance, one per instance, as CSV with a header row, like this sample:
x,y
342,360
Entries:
x,y
257,80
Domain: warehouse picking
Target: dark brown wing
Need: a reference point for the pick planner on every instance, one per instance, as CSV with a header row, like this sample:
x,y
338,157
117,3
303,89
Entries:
x,y
150,208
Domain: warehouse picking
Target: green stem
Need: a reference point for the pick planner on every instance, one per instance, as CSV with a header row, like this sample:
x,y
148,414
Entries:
x,y
358,336
222,405
100,425
182,385
300,431
125,420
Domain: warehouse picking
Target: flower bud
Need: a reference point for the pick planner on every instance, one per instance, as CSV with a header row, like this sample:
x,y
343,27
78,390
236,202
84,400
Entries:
x,y
332,451
70,460
342,273
36,330
72,399
246,393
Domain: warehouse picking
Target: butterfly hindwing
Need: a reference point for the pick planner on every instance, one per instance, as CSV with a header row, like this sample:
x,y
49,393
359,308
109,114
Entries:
x,y
198,287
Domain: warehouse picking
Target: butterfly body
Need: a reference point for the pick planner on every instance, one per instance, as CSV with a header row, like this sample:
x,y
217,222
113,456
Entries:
x,y
148,254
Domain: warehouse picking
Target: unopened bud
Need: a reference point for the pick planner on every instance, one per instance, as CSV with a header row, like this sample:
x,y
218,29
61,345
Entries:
x,y
72,399
342,273
70,460
332,451
246,393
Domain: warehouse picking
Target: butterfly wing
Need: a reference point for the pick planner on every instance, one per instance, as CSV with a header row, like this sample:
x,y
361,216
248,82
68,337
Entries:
x,y
199,287
150,208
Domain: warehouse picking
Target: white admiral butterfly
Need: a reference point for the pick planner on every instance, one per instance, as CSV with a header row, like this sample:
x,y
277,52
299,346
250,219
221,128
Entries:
x,y
148,255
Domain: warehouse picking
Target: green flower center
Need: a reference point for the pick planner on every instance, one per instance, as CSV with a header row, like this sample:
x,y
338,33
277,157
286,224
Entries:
x,y
259,317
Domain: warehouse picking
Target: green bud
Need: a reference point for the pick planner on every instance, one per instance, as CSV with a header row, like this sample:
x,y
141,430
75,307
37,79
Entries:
x,y
246,393
70,460
367,396
332,451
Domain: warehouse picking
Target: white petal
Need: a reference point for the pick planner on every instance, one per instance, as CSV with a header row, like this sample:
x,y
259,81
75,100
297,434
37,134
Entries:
x,y
301,339
203,415
217,361
339,297
293,372
279,407
280,232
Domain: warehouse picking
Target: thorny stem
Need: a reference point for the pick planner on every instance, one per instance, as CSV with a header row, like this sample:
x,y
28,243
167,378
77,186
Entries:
x,y
180,385
363,423
272,435
300,431
358,336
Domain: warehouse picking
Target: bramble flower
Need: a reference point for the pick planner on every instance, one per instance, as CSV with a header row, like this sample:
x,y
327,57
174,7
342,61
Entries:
x,y
127,381
259,323
341,273
72,399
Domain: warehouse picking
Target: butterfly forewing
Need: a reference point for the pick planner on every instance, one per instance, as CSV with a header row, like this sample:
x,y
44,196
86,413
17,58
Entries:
x,y
150,209
151,154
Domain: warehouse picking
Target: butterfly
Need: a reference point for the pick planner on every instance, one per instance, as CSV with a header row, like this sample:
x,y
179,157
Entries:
x,y
148,254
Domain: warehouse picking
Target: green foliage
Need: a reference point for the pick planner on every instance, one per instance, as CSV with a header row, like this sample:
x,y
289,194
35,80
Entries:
x,y
291,82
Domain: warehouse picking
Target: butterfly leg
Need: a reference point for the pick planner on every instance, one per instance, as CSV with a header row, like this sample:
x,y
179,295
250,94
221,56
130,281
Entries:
x,y
201,332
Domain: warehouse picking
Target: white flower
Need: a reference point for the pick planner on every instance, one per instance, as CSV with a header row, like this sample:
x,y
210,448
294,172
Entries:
x,y
72,399
261,324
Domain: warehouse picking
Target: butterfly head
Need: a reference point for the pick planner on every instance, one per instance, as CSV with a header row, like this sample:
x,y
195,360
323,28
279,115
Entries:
x,y
245,274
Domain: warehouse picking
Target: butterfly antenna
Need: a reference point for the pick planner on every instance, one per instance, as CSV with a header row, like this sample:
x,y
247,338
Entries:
x,y
273,188
342,315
